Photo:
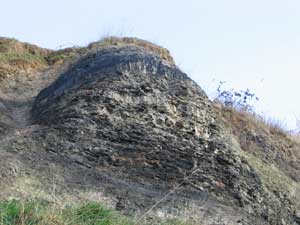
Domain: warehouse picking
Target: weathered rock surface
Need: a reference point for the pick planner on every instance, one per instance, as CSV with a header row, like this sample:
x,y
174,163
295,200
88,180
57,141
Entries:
x,y
125,122
126,110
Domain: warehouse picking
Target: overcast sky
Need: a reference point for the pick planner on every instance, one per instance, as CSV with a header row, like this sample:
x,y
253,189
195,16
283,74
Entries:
x,y
250,44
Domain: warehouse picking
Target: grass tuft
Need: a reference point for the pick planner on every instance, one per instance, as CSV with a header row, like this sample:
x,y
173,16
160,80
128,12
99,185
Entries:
x,y
37,212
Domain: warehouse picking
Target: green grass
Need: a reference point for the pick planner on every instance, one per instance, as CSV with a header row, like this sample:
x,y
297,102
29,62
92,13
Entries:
x,y
11,50
36,212
8,57
41,213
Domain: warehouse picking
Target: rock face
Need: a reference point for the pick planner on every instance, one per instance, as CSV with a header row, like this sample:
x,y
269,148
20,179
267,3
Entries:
x,y
125,122
124,110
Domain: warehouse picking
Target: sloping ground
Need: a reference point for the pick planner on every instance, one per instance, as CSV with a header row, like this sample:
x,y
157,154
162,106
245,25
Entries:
x,y
123,125
25,69
22,56
272,152
269,143
22,75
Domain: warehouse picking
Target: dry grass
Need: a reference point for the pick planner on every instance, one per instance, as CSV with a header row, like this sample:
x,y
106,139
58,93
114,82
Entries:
x,y
148,46
267,139
295,137
245,120
15,55
241,120
270,149
69,54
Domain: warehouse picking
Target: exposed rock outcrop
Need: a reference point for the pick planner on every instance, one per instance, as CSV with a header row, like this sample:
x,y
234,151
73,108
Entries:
x,y
125,122
124,109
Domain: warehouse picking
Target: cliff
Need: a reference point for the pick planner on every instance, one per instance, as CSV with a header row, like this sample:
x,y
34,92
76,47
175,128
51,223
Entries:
x,y
118,120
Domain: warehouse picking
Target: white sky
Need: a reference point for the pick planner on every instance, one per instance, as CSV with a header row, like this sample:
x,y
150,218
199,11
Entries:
x,y
251,44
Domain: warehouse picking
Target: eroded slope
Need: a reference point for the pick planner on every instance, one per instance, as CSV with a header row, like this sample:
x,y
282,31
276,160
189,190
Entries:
x,y
125,112
122,124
